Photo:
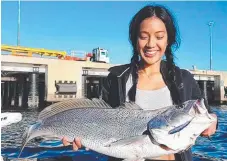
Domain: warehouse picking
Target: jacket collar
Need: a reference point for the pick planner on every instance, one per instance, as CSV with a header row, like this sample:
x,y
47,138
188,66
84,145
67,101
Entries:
x,y
120,70
175,86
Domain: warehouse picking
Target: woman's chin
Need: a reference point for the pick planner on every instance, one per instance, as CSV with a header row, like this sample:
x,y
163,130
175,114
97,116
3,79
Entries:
x,y
151,61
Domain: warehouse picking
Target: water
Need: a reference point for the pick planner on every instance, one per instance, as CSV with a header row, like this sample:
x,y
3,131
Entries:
x,y
206,150
216,149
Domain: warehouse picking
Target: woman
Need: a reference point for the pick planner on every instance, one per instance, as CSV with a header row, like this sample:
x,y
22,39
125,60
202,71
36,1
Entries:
x,y
148,80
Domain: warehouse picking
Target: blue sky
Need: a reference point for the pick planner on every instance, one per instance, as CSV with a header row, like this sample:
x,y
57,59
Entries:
x,y
83,26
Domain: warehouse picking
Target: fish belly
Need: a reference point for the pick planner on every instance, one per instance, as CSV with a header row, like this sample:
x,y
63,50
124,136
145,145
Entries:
x,y
139,149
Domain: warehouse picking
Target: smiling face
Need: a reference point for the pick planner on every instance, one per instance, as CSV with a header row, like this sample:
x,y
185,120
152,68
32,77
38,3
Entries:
x,y
152,40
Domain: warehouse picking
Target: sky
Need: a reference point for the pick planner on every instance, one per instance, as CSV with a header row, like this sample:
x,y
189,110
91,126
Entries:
x,y
82,26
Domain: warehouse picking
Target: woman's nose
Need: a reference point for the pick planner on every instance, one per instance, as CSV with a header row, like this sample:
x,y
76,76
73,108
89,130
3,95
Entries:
x,y
151,43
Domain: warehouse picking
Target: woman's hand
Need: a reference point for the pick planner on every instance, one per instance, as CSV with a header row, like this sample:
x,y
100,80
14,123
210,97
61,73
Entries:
x,y
76,143
210,130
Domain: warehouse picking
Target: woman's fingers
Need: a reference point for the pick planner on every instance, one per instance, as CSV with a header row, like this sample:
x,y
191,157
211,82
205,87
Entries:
x,y
65,141
78,143
210,130
75,148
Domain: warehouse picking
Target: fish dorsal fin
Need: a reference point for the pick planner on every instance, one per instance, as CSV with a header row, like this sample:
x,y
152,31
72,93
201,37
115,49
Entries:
x,y
101,103
130,105
71,104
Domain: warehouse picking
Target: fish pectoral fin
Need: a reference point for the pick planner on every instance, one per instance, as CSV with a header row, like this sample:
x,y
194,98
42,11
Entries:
x,y
179,128
134,159
127,141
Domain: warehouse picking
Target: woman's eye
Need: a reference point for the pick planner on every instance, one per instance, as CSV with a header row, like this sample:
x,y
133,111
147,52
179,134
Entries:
x,y
159,38
143,37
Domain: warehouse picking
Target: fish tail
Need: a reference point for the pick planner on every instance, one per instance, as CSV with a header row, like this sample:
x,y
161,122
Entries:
x,y
27,136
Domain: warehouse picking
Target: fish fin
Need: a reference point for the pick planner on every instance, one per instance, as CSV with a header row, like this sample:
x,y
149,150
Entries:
x,y
71,104
101,103
179,128
26,136
130,105
127,141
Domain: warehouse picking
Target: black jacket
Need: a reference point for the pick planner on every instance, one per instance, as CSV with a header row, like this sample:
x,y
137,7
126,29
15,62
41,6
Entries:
x,y
114,91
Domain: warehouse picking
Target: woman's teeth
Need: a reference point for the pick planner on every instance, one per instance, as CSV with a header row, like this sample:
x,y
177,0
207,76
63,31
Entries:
x,y
150,52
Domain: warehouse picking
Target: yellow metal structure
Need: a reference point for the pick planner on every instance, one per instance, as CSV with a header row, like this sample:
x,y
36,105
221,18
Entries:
x,y
23,51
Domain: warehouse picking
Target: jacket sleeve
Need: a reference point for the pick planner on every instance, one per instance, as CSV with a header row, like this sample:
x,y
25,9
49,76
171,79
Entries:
x,y
105,90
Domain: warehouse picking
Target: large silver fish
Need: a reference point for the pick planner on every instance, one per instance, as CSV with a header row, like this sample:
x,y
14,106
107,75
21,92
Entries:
x,y
122,132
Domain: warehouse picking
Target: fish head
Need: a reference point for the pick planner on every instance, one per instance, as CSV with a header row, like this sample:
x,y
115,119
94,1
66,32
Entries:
x,y
163,127
158,122
180,127
171,121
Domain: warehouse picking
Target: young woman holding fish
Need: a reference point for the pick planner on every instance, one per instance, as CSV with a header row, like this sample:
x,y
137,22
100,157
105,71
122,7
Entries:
x,y
148,80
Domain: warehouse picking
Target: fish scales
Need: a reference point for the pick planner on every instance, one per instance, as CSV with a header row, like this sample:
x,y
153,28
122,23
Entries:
x,y
102,122
119,132
104,127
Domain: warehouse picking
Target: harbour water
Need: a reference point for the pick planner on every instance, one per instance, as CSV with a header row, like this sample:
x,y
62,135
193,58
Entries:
x,y
205,149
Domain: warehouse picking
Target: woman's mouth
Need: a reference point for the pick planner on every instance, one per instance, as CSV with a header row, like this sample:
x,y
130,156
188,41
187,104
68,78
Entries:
x,y
150,53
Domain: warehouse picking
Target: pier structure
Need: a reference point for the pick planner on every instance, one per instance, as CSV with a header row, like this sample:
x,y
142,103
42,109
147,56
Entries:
x,y
31,82
54,79
212,83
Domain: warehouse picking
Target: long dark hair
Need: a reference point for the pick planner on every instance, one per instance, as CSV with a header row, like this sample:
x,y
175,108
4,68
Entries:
x,y
173,40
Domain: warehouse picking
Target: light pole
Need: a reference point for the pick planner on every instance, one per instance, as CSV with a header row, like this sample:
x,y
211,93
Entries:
x,y
18,25
211,23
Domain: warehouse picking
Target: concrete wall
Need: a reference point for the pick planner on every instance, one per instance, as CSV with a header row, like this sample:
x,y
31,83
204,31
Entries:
x,y
56,70
66,70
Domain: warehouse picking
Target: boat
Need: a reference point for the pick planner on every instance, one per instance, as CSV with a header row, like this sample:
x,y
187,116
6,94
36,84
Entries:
x,y
8,118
